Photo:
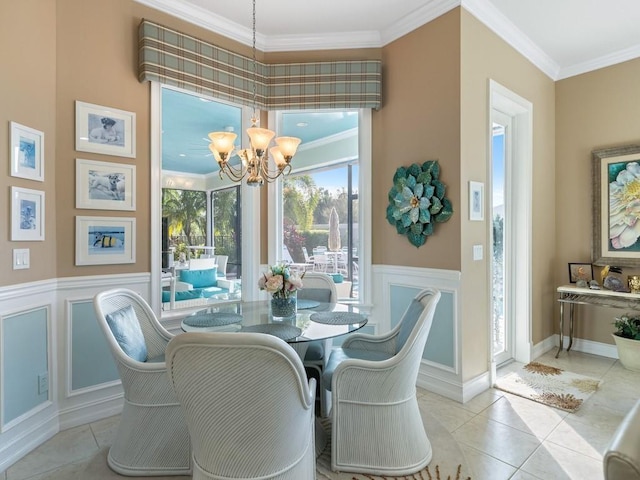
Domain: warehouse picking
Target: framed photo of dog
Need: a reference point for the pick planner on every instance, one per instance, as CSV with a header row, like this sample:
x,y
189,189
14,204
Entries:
x,y
105,130
27,157
27,214
105,240
105,185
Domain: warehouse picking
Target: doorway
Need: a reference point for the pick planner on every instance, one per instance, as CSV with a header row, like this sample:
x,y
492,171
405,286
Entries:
x,y
511,145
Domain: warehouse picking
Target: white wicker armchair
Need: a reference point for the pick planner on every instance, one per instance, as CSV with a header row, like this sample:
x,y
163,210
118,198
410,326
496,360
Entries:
x,y
249,406
319,286
152,437
377,427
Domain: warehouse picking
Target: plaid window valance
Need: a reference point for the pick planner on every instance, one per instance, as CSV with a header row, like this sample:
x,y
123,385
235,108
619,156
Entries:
x,y
176,59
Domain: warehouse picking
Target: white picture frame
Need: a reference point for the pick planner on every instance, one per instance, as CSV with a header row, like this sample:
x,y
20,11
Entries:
x,y
105,240
476,201
105,130
105,185
27,152
27,215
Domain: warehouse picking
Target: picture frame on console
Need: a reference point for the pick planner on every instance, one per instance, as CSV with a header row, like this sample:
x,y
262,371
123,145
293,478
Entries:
x,y
580,271
613,172
105,130
105,185
105,240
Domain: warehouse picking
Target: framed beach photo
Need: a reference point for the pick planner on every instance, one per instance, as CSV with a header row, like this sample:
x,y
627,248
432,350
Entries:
x,y
615,173
105,130
580,271
27,152
105,185
27,214
476,201
105,240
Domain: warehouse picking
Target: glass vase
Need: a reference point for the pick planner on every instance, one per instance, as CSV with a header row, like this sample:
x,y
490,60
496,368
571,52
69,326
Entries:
x,y
284,309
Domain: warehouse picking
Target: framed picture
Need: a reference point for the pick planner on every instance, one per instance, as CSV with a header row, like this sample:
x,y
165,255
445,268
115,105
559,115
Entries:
x,y
615,239
580,271
105,240
105,130
27,214
105,185
27,157
476,201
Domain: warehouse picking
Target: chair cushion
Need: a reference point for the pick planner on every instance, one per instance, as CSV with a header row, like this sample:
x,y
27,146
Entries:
x,y
409,321
126,329
200,278
338,355
337,278
186,295
315,352
318,294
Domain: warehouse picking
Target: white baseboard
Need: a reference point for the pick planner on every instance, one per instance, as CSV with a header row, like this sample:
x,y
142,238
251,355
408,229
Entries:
x,y
27,441
579,345
90,411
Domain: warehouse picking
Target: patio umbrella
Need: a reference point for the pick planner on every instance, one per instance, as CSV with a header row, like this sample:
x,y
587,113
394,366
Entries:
x,y
334,231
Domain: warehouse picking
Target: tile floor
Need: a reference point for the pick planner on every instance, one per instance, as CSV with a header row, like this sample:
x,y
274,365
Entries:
x,y
503,436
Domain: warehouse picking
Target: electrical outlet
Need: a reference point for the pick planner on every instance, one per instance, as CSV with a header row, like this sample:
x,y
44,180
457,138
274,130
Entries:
x,y
43,383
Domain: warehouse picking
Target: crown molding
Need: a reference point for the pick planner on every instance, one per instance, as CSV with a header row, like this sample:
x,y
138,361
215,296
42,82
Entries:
x,y
490,16
416,19
328,41
614,58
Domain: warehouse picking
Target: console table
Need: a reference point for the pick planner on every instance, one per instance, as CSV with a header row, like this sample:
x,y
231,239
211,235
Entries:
x,y
586,296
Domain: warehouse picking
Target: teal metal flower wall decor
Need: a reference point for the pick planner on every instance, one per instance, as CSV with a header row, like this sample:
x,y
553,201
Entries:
x,y
416,201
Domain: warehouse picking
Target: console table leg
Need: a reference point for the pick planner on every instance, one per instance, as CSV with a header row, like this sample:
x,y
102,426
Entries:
x,y
561,328
571,306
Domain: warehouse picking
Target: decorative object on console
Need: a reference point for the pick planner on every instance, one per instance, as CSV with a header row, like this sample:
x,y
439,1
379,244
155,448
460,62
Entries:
x,y
417,201
612,279
633,281
627,338
255,160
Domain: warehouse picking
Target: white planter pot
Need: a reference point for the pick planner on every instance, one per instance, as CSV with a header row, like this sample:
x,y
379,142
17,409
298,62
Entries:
x,y
628,352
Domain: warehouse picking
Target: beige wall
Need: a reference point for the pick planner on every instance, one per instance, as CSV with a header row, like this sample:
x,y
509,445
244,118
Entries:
x,y
28,97
485,56
419,121
599,109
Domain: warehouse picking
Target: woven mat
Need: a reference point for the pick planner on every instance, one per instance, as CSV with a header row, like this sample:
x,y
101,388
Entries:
x,y
337,318
215,319
304,304
550,385
285,332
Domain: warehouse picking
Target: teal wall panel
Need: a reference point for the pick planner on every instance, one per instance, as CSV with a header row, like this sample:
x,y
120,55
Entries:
x,y
440,343
91,359
25,356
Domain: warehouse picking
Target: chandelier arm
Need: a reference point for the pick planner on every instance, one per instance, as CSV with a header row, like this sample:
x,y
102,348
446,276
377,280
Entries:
x,y
235,174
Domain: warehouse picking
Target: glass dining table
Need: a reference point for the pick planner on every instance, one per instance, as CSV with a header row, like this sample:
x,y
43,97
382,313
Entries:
x,y
314,321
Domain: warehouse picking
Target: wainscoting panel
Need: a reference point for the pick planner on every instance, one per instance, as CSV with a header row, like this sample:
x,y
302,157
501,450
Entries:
x,y
395,287
91,360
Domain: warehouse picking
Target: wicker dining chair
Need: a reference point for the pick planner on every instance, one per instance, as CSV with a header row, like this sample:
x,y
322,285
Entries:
x,y
320,287
376,424
248,403
152,437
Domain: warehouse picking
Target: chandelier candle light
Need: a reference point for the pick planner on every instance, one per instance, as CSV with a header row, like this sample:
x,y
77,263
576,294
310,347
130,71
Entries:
x,y
255,159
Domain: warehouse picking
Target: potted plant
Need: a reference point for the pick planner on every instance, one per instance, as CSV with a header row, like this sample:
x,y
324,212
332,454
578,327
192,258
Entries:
x,y
627,338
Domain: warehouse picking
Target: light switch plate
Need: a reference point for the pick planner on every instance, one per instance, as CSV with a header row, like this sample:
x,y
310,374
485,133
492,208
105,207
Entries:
x,y
20,258
477,252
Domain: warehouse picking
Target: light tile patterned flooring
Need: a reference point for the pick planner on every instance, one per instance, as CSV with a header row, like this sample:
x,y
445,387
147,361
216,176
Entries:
x,y
502,436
